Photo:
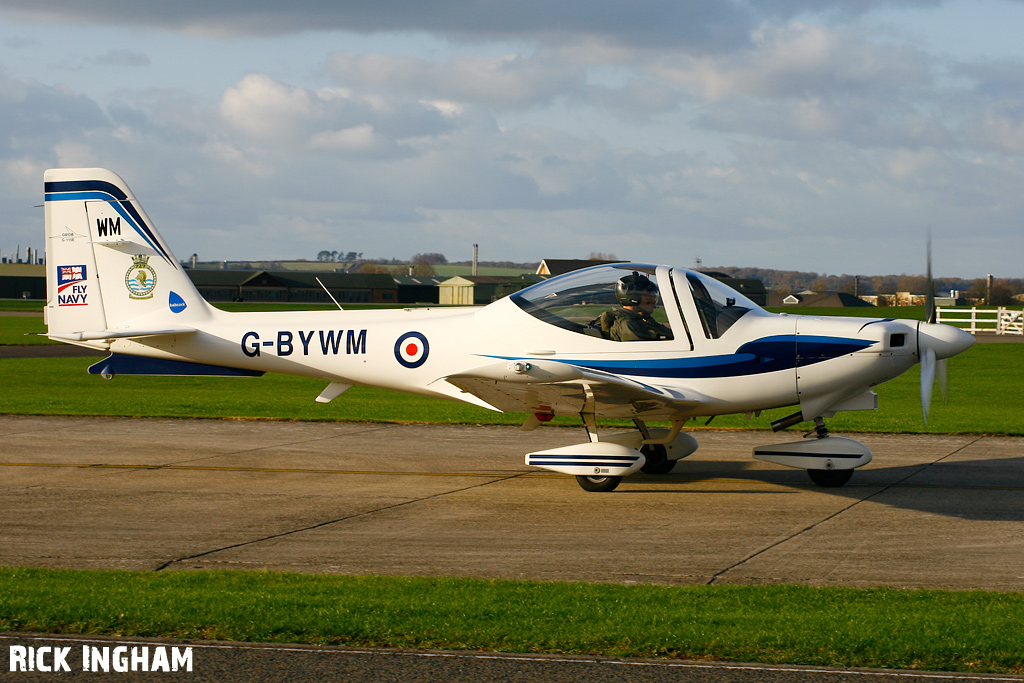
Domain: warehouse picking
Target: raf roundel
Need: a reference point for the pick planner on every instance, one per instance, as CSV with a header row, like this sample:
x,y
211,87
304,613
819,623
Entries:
x,y
411,349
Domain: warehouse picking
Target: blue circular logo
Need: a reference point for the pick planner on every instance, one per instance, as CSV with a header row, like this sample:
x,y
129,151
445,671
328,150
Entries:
x,y
411,349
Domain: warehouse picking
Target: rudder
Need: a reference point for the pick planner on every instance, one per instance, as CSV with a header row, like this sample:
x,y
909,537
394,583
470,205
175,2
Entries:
x,y
107,268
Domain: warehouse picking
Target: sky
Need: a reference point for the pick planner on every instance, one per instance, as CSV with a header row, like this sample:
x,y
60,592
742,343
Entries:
x,y
828,136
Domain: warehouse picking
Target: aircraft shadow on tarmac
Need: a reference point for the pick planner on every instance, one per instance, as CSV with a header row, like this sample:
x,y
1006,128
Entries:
x,y
984,490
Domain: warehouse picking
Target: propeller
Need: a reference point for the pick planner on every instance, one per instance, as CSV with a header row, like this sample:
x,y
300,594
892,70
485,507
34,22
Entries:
x,y
929,295
928,364
927,354
935,343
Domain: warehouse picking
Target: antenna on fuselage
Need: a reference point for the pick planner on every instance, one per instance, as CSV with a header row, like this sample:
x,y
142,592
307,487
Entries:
x,y
329,294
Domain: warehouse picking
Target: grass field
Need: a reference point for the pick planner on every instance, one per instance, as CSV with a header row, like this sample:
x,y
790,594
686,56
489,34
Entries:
x,y
931,630
986,396
16,330
21,305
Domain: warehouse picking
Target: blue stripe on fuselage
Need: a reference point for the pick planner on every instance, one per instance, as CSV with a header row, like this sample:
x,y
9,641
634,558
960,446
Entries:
x,y
770,354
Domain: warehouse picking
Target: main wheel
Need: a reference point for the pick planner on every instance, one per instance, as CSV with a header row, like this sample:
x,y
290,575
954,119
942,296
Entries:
x,y
657,459
598,484
830,479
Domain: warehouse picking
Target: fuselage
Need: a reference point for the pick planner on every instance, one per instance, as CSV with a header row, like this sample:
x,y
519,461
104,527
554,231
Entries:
x,y
745,360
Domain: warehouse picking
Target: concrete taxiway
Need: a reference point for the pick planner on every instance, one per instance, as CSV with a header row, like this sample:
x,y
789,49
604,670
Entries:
x,y
147,494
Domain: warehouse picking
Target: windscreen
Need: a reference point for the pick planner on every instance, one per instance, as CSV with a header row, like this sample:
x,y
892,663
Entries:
x,y
590,301
718,305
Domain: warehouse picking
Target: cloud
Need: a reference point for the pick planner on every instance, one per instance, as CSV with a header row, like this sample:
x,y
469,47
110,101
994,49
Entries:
x,y
658,131
798,60
506,82
697,26
121,58
275,115
260,107
786,9
711,24
33,115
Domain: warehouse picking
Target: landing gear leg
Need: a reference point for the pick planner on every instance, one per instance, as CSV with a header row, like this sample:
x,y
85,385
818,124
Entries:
x,y
600,483
829,479
655,453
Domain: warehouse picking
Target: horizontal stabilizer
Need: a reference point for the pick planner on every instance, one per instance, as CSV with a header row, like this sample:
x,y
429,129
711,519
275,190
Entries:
x,y
120,364
99,335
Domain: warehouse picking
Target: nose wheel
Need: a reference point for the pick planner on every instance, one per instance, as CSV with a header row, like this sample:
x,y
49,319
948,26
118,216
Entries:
x,y
598,484
827,479
830,479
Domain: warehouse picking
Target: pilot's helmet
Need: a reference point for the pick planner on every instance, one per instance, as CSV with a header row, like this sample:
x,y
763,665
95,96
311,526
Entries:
x,y
629,289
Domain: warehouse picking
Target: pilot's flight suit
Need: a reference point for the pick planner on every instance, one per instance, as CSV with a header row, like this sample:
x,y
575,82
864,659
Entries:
x,y
623,324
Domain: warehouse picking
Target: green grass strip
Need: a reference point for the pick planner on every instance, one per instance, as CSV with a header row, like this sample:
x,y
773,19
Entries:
x,y
16,330
21,304
986,396
930,630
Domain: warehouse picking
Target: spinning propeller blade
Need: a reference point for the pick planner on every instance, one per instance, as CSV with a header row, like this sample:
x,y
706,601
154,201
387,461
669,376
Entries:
x,y
936,343
929,296
942,378
927,380
928,354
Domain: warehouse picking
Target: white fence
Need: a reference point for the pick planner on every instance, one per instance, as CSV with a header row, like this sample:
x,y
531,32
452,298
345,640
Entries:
x,y
974,320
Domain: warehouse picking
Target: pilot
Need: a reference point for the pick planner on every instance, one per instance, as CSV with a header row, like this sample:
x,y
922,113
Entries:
x,y
632,321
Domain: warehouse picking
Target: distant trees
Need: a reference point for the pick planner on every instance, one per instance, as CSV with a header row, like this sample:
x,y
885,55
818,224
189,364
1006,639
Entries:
x,y
787,281
429,259
1002,292
784,281
338,256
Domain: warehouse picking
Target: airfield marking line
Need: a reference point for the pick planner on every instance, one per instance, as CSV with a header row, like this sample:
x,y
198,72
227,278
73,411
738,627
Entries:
x,y
778,543
885,488
513,657
524,474
955,451
269,470
922,468
320,525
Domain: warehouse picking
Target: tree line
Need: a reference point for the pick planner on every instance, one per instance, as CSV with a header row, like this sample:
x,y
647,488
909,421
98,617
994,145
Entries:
x,y
782,281
792,281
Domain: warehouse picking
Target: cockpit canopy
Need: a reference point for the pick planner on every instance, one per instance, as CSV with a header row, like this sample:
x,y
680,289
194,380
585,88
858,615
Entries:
x,y
576,301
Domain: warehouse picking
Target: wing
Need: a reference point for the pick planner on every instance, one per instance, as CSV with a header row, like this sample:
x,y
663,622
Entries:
x,y
547,386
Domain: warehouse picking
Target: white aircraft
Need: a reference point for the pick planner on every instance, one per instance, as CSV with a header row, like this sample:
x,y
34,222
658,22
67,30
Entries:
x,y
114,285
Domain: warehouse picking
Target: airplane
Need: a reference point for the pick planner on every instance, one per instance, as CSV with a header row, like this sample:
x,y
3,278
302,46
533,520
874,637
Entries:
x,y
114,285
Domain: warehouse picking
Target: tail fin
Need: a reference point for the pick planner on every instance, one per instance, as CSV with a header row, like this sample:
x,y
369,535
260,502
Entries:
x,y
109,274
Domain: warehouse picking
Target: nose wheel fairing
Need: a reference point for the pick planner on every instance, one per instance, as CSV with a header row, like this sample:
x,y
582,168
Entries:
x,y
827,453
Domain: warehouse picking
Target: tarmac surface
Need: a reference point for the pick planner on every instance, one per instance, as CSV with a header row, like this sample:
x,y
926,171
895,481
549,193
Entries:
x,y
227,662
178,495
152,494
